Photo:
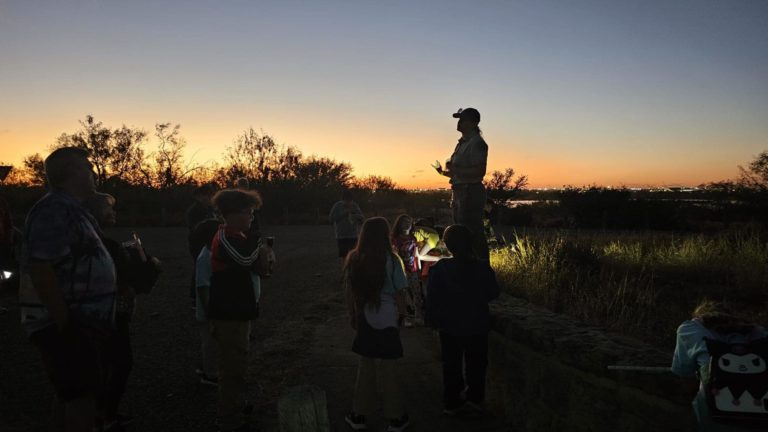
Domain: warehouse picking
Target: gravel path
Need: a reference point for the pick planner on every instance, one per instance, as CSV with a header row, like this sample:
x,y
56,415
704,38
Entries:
x,y
300,337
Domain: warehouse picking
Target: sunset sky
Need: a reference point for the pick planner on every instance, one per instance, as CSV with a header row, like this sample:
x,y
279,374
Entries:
x,y
571,92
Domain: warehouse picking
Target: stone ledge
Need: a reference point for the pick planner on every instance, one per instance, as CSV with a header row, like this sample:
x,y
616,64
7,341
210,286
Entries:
x,y
585,348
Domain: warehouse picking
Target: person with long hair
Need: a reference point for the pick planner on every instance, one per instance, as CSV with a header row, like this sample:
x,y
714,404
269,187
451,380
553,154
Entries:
x,y
466,169
375,284
716,321
404,243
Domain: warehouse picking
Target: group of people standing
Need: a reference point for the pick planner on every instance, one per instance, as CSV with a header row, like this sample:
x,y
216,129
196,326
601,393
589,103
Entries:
x,y
378,286
77,294
392,280
78,288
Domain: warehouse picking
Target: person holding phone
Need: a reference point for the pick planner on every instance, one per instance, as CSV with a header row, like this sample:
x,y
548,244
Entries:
x,y
136,273
466,169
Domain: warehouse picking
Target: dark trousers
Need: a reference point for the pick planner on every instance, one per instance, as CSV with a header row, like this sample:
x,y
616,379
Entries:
x,y
467,203
465,360
118,364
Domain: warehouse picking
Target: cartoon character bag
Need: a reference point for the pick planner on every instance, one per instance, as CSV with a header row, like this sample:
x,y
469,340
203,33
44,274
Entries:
x,y
737,385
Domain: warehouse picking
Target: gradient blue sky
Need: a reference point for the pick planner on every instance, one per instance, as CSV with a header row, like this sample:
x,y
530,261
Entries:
x,y
571,92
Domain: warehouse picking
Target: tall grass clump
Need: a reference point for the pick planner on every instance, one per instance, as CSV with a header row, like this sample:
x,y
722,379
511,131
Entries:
x,y
642,285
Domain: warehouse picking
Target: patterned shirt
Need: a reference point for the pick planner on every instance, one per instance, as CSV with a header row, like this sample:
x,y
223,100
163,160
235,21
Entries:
x,y
60,231
405,246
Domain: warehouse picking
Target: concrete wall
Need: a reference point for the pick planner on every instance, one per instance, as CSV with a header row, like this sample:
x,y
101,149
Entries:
x,y
547,373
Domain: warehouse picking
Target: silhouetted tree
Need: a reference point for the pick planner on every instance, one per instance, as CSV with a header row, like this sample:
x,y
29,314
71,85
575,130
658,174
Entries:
x,y
169,157
321,172
34,167
755,175
129,161
94,137
113,153
375,183
253,156
502,185
286,165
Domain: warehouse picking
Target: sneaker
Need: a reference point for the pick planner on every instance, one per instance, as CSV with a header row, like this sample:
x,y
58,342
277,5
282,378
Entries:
x,y
209,380
399,425
356,422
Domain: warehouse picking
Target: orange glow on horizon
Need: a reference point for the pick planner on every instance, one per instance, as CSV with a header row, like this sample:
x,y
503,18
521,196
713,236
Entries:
x,y
407,162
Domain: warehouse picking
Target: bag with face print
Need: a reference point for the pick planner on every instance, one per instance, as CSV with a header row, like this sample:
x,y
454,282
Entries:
x,y
736,387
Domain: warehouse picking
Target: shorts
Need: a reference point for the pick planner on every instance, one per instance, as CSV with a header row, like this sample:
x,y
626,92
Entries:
x,y
73,361
346,245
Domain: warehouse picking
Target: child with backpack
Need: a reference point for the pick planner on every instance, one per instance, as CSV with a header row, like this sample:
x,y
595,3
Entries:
x,y
237,260
375,284
460,289
727,355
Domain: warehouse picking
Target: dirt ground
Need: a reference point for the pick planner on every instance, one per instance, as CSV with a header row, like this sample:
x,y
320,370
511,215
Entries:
x,y
301,337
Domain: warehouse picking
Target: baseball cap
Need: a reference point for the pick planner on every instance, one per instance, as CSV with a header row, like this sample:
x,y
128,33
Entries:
x,y
467,114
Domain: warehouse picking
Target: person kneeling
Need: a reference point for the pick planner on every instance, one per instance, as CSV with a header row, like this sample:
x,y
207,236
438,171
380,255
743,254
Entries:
x,y
728,356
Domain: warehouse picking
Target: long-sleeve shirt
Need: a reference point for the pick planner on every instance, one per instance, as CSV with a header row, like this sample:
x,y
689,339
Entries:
x,y
458,296
235,288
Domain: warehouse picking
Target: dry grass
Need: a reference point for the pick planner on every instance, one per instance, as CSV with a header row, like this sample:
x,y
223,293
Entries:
x,y
638,284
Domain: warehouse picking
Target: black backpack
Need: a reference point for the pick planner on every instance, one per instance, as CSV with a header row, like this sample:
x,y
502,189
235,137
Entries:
x,y
737,386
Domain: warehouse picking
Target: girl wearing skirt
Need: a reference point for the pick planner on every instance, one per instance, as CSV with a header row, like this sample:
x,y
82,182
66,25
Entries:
x,y
375,285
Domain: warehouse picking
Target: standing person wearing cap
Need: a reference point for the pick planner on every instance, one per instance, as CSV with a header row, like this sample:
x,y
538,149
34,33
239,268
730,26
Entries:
x,y
466,169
